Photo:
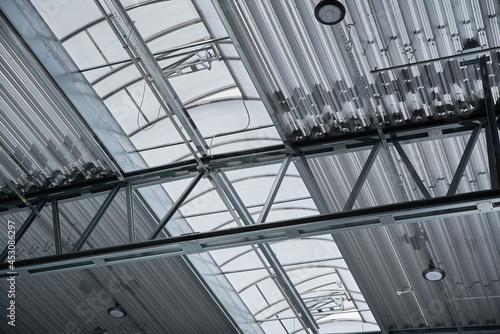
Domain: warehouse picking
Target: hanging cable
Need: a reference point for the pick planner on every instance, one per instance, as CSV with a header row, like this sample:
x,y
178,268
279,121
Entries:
x,y
231,132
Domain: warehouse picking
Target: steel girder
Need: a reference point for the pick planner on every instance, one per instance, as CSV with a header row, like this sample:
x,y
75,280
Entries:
x,y
364,140
400,213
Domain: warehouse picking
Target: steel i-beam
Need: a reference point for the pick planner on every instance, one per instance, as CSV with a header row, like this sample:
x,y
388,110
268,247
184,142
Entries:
x,y
403,213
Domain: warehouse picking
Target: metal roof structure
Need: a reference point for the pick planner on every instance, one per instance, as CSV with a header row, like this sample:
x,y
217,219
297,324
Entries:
x,y
234,166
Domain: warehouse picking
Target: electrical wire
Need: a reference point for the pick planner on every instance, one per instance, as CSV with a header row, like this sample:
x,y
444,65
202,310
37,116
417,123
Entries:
x,y
231,132
139,112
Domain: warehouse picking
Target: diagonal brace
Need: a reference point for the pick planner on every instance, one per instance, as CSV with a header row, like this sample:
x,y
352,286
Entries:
x,y
22,230
93,223
176,206
463,161
411,169
362,177
57,225
274,190
492,137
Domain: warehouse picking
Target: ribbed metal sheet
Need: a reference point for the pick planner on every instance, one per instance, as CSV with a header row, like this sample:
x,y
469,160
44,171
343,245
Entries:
x,y
389,261
325,80
160,296
40,146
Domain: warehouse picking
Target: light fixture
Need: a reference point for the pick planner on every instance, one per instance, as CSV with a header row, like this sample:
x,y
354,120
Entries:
x,y
329,12
433,274
117,311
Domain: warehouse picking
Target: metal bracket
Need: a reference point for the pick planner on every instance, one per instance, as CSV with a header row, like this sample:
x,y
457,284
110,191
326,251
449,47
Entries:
x,y
99,261
387,220
435,133
192,247
339,148
485,206
292,234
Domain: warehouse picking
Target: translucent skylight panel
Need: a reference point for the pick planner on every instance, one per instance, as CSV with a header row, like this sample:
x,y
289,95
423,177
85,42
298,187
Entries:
x,y
213,20
117,80
108,44
83,51
196,84
146,100
165,14
306,250
208,222
243,78
162,133
67,16
229,93
228,50
175,38
122,108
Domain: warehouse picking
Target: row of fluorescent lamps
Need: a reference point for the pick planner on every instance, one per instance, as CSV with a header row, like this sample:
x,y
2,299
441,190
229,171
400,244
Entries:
x,y
331,12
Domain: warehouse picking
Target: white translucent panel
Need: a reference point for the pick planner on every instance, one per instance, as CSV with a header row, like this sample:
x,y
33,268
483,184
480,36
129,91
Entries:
x,y
161,134
108,44
145,99
228,50
348,280
211,17
244,279
116,80
228,255
243,78
231,92
66,16
346,327
153,18
202,199
245,141
209,222
198,83
94,74
288,212
123,109
306,249
229,116
83,51
179,37
311,278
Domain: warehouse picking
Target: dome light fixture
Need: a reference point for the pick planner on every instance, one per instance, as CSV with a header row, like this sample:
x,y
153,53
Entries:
x,y
329,12
117,311
433,274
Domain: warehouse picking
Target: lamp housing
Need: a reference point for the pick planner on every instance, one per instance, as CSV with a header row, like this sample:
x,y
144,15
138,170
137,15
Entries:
x,y
329,12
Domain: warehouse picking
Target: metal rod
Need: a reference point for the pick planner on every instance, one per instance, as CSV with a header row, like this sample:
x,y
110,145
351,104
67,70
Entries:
x,y
463,161
493,140
130,212
274,190
173,209
430,61
57,225
97,217
411,169
362,177
24,227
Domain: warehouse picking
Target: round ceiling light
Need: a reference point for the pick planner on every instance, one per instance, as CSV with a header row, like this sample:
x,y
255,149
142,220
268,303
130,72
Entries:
x,y
117,312
433,274
329,12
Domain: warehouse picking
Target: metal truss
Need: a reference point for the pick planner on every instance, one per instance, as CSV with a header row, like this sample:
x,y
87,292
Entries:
x,y
216,166
398,213
213,167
